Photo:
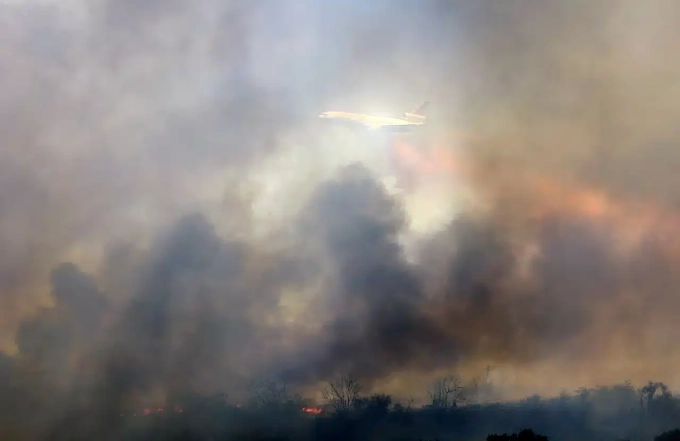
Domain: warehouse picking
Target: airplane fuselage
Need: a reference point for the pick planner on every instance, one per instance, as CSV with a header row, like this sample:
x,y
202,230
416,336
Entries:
x,y
410,120
369,119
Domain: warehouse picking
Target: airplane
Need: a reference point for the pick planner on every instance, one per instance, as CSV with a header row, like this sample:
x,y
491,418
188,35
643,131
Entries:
x,y
408,122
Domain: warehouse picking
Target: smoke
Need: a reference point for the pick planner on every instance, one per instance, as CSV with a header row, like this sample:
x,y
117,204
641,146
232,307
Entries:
x,y
173,220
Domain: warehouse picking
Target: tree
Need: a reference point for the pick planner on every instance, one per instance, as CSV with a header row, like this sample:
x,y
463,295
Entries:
x,y
648,392
343,393
380,401
671,435
524,435
447,392
376,404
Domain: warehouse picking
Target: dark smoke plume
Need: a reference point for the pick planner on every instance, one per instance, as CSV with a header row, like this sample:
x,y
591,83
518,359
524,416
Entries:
x,y
173,220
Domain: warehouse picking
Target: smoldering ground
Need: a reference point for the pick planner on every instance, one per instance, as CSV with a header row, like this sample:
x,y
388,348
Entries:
x,y
134,265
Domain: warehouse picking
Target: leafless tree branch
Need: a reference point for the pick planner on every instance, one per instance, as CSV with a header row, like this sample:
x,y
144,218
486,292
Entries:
x,y
447,392
342,393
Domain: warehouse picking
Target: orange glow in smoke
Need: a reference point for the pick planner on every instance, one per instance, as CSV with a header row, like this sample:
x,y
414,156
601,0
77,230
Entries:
x,y
586,202
158,410
631,220
436,160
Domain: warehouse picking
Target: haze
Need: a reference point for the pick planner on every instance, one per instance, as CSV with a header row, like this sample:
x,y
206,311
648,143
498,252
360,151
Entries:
x,y
173,217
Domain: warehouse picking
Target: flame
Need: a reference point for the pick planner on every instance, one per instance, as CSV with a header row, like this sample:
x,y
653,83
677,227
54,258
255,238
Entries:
x,y
312,410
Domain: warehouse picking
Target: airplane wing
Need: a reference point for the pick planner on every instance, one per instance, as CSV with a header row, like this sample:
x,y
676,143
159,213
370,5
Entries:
x,y
393,127
384,123
396,128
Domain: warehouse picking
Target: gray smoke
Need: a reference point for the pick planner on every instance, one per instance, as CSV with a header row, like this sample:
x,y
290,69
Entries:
x,y
139,259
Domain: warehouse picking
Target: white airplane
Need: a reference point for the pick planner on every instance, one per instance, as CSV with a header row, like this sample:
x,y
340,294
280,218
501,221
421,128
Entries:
x,y
408,122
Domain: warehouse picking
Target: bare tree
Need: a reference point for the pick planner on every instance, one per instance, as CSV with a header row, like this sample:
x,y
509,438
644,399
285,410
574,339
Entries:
x,y
342,393
447,392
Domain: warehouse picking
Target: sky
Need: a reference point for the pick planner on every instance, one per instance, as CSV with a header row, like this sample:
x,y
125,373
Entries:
x,y
174,217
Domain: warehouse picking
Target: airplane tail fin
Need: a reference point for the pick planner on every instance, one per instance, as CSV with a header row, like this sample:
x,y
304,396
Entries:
x,y
418,114
421,110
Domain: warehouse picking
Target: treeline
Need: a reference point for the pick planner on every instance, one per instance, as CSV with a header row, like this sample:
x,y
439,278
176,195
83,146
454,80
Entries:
x,y
275,413
615,413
